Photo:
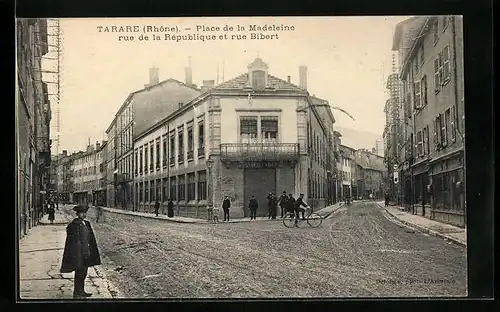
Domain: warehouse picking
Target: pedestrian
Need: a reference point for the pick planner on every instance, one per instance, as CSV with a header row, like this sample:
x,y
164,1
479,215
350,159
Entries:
x,y
271,206
51,212
253,205
226,204
80,251
157,207
99,213
283,203
274,207
386,199
170,208
290,204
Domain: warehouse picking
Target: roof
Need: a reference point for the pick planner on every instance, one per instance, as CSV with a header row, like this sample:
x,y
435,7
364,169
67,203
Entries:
x,y
241,81
318,101
398,32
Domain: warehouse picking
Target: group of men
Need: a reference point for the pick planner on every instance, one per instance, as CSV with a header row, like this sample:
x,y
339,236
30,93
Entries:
x,y
287,203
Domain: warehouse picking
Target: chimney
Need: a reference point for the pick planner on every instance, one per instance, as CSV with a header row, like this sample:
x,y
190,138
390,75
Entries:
x,y
288,79
154,76
65,153
189,74
303,77
207,85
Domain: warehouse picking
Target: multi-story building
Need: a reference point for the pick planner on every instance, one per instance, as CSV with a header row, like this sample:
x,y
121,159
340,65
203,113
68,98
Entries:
x,y
33,117
345,166
89,182
110,165
141,110
63,176
371,174
432,75
247,136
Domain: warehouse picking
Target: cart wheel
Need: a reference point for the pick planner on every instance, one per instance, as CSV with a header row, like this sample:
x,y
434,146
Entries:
x,y
289,220
314,220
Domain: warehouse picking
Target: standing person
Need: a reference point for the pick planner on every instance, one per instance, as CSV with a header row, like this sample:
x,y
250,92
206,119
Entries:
x,y
300,202
283,203
386,199
80,251
170,208
226,204
290,203
274,206
157,207
253,205
269,205
99,214
51,212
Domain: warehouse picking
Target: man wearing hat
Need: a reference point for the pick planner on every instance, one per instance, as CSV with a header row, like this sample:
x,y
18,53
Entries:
x,y
282,202
80,251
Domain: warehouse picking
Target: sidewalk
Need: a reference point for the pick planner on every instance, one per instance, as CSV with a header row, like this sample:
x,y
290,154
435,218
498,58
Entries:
x,y
40,254
449,232
325,212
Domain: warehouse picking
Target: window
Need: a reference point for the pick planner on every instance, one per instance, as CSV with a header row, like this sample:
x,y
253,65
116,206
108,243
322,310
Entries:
x,y
269,129
422,57
435,31
191,187
158,190
201,139
420,144
446,65
172,149
146,154
417,99
258,79
140,160
423,93
190,146
248,129
152,190
445,126
426,140
157,154
151,156
164,197
180,154
164,158
453,128
445,22
146,192
173,188
181,189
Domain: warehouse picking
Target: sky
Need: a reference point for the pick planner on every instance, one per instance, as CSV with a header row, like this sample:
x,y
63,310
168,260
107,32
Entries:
x,y
348,60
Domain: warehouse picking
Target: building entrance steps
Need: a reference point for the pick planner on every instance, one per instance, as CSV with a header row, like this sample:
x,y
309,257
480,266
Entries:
x,y
449,232
40,256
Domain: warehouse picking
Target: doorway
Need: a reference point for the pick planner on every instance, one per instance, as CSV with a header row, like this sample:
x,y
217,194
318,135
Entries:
x,y
259,183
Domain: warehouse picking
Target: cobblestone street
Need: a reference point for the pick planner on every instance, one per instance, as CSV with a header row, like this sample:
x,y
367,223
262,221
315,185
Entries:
x,y
358,251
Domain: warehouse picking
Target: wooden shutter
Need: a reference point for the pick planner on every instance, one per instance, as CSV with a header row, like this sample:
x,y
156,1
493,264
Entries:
x,y
436,75
453,124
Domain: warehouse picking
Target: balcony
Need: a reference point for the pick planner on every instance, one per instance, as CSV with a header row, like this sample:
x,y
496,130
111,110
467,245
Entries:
x,y
259,151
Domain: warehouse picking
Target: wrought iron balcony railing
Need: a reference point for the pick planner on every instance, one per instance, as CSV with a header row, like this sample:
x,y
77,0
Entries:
x,y
259,151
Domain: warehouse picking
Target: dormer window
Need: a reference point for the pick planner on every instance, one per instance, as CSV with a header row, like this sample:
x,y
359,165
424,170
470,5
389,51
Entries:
x,y
258,79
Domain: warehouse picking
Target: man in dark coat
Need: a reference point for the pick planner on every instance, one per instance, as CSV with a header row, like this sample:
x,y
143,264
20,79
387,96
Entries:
x,y
282,202
226,204
271,205
253,205
170,208
80,251
157,207
290,203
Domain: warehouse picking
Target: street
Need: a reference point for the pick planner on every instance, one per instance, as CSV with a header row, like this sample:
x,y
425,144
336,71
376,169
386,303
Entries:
x,y
357,252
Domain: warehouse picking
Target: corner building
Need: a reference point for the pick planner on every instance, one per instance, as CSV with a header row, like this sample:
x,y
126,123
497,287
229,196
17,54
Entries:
x,y
244,137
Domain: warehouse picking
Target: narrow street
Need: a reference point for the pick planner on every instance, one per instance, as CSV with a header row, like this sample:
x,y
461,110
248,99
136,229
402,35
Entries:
x,y
356,252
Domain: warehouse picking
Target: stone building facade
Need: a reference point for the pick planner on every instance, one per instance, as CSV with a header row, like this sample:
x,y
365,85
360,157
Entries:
x,y
246,136
89,176
33,115
432,75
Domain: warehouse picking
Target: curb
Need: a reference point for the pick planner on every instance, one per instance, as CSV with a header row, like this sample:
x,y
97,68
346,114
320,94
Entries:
x,y
427,231
195,221
333,211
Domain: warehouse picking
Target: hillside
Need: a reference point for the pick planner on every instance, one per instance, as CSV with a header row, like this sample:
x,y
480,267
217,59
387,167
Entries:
x,y
360,139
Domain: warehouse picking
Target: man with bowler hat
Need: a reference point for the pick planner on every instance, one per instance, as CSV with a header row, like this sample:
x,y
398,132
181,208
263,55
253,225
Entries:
x,y
80,251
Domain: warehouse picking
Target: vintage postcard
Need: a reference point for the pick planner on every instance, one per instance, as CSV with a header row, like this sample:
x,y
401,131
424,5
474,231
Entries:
x,y
241,157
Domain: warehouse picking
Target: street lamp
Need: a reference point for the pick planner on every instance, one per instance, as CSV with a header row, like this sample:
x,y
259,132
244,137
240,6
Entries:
x,y
210,163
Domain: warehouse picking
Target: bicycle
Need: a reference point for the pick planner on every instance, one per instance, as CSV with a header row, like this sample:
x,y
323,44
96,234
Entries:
x,y
313,219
